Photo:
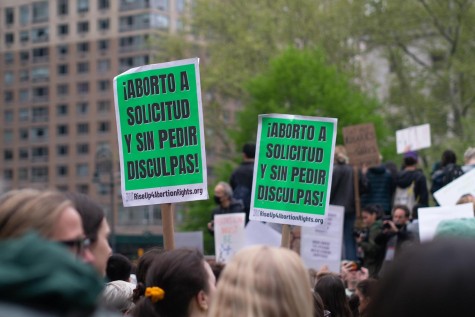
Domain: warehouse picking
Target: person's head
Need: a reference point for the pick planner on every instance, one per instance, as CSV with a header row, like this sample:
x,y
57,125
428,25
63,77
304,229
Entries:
x,y
118,268
448,157
263,281
332,291
370,214
341,157
186,280
143,265
469,156
48,213
222,193
40,274
249,151
117,295
410,158
434,279
401,214
465,199
95,227
365,290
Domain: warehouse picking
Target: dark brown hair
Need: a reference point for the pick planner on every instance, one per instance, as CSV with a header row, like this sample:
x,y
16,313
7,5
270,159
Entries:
x,y
91,213
143,265
182,275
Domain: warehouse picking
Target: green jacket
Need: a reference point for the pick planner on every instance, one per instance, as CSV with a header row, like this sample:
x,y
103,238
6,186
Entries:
x,y
373,253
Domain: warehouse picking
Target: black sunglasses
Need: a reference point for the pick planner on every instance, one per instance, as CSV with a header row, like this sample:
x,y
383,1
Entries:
x,y
78,245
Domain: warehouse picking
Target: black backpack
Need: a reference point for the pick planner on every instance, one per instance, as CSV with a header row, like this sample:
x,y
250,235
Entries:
x,y
451,172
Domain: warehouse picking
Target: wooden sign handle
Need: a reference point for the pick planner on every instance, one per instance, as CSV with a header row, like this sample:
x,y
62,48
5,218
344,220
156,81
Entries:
x,y
285,242
168,227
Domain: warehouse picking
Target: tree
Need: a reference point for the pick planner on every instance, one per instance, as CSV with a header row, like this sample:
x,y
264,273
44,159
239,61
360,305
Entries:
x,y
302,82
429,47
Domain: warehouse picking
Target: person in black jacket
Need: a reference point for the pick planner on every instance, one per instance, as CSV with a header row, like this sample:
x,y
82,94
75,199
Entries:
x,y
412,174
223,196
241,178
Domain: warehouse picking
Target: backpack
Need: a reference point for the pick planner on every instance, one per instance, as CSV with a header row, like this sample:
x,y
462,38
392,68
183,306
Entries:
x,y
451,172
405,196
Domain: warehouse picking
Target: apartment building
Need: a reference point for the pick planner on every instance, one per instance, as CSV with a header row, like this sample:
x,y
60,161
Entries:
x,y
57,119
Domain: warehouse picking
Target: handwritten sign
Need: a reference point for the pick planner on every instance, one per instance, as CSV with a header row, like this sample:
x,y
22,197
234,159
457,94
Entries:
x,y
160,131
322,245
413,138
229,235
293,169
361,145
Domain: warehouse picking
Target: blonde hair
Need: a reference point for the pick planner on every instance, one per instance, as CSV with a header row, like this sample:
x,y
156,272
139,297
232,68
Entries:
x,y
29,209
341,156
263,281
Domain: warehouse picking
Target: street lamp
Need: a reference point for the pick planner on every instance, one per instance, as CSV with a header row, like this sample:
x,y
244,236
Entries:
x,y
104,165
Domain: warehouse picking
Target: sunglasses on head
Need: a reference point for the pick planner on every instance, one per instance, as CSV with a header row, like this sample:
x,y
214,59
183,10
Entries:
x,y
78,245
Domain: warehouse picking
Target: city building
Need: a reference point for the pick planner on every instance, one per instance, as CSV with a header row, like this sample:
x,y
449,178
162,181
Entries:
x,y
57,119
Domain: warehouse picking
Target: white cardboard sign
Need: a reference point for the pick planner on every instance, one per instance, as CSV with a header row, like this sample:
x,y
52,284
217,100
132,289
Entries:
x,y
193,240
413,138
258,233
429,218
451,193
322,245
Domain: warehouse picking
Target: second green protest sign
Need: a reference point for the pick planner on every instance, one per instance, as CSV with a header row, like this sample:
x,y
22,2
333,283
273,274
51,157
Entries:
x,y
293,169
160,130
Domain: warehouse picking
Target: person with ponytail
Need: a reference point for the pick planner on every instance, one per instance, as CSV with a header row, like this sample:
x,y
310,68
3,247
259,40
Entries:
x,y
179,283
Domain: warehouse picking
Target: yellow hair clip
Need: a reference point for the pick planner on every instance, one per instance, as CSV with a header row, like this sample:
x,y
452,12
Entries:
x,y
155,293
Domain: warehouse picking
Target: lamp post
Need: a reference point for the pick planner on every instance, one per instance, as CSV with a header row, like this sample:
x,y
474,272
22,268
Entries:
x,y
104,166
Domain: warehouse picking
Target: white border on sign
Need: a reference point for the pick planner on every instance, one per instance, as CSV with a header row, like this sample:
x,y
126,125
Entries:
x,y
169,199
290,217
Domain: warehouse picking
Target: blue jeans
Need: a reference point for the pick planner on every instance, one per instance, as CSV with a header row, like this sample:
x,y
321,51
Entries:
x,y
349,243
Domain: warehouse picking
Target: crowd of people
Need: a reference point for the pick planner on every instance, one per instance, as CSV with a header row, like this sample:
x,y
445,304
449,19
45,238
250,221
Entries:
x,y
56,259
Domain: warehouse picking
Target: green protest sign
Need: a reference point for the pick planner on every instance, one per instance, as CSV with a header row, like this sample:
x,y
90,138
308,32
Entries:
x,y
160,131
293,169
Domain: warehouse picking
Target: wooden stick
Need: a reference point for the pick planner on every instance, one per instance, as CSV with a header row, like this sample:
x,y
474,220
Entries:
x,y
285,242
167,225
356,185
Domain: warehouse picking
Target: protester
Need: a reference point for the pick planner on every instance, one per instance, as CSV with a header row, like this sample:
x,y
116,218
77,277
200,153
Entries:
x,y
241,178
412,180
380,188
447,172
351,274
144,263
179,283
469,160
49,214
263,281
435,279
343,194
332,291
467,198
223,196
118,267
365,290
395,237
95,227
41,278
117,296
373,252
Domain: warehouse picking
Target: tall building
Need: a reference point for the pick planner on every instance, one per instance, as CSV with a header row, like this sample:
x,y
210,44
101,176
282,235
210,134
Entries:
x,y
57,119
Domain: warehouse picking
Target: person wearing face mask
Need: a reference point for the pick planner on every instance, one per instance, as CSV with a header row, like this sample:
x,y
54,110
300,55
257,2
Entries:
x,y
223,197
